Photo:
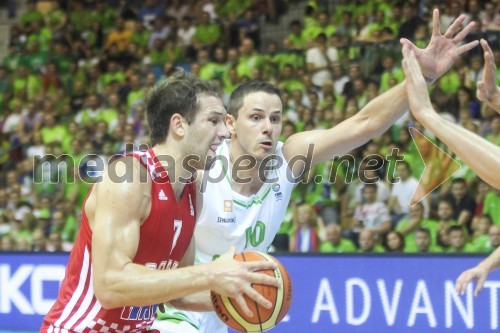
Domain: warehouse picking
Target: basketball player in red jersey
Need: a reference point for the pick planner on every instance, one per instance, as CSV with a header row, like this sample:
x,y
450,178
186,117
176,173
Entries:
x,y
137,225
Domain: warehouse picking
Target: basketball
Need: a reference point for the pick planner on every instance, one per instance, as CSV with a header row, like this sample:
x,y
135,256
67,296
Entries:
x,y
263,319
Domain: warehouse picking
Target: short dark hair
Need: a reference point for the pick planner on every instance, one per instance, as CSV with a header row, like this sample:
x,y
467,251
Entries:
x,y
459,181
238,95
455,228
423,230
178,93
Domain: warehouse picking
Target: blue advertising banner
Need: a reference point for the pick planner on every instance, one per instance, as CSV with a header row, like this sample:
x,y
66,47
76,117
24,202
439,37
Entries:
x,y
331,293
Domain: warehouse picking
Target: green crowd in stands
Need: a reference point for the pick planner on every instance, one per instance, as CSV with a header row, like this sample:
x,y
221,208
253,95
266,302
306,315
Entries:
x,y
73,82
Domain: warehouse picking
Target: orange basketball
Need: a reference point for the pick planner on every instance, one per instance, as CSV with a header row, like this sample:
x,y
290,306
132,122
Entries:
x,y
263,319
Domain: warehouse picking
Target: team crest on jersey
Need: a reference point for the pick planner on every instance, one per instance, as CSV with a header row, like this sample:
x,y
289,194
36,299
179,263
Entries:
x,y
276,187
162,196
228,206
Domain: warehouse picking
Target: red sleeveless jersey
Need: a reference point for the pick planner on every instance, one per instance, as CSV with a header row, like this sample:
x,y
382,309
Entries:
x,y
164,238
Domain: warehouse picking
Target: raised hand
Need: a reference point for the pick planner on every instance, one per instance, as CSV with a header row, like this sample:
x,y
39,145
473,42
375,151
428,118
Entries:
x,y
234,279
418,96
478,274
487,89
442,51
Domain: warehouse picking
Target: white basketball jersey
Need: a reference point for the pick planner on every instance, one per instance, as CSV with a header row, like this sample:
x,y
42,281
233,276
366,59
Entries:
x,y
229,218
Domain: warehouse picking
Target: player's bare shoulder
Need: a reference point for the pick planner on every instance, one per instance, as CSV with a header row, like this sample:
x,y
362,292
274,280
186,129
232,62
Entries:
x,y
124,182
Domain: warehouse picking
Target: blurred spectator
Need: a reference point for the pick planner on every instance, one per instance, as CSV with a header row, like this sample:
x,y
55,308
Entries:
x,y
463,203
413,222
394,242
120,36
186,31
150,11
307,231
402,192
319,59
367,242
423,242
458,241
494,237
334,242
492,205
480,228
372,214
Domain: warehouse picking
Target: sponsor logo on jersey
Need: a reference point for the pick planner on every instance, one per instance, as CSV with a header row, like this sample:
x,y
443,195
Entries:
x,y
226,220
278,196
162,196
276,187
228,206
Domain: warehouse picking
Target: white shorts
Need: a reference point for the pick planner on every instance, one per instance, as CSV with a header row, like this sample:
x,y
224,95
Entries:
x,y
175,321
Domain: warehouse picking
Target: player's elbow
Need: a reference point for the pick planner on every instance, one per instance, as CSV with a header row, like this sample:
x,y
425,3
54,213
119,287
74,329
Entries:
x,y
108,299
107,295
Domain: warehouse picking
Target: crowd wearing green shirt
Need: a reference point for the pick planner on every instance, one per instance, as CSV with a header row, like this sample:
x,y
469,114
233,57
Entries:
x,y
66,121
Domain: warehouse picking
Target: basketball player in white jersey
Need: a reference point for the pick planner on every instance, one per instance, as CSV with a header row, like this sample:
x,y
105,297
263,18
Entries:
x,y
244,206
479,154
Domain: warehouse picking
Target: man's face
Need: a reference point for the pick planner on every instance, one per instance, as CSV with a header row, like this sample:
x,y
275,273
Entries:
x,y
333,234
402,171
258,127
369,194
423,241
366,240
458,190
416,212
457,239
207,130
445,211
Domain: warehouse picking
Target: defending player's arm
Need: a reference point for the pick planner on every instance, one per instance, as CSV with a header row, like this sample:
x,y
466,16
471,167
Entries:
x,y
478,273
121,207
487,89
380,113
479,154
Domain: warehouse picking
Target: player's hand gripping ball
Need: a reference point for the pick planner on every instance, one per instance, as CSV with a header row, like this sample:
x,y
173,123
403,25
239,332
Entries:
x,y
263,319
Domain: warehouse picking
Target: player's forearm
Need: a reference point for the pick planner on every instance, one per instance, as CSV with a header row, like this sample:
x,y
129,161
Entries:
x,y
480,155
492,262
195,302
381,112
140,286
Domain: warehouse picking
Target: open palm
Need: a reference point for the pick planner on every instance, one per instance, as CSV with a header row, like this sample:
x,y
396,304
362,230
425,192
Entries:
x,y
442,51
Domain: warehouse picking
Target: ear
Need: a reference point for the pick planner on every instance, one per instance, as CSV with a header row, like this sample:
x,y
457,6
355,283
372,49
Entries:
x,y
230,124
177,125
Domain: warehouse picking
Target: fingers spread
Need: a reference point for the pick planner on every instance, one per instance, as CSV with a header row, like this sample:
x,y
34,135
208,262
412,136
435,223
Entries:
x,y
261,300
435,23
454,27
260,278
462,34
243,305
467,47
486,46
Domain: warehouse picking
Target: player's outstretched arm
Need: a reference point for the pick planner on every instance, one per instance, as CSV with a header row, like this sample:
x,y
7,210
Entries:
x,y
380,113
119,282
487,89
478,273
480,155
